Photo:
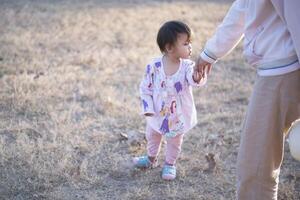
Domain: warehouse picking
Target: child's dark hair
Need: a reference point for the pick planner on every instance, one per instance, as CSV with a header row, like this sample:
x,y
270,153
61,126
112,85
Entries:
x,y
169,31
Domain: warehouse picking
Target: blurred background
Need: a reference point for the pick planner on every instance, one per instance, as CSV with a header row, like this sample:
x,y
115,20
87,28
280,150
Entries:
x,y
69,103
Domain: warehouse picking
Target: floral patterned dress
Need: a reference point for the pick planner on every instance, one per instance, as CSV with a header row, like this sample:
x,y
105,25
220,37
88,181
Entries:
x,y
169,98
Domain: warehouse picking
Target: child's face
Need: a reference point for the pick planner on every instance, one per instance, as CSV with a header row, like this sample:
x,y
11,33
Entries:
x,y
183,46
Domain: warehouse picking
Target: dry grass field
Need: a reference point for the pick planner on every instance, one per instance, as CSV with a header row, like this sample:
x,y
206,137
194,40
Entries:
x,y
69,76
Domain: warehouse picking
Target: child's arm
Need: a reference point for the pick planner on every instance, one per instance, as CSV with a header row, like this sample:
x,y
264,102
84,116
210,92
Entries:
x,y
146,92
194,77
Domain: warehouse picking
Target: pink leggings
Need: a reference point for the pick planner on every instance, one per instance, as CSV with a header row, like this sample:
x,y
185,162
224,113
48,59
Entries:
x,y
154,141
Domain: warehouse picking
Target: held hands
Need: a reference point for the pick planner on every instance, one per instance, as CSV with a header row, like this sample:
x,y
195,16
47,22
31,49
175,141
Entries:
x,y
201,68
197,76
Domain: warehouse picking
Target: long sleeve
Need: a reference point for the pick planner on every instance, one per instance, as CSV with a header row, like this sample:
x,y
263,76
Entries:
x,y
227,35
146,91
189,76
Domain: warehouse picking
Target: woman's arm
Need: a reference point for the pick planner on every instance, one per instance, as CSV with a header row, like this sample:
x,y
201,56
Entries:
x,y
227,35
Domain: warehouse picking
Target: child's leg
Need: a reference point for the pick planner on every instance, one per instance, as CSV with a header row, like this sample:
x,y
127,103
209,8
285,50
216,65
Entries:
x,y
153,143
173,149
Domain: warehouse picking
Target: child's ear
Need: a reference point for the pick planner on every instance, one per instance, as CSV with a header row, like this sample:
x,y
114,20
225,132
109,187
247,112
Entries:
x,y
169,48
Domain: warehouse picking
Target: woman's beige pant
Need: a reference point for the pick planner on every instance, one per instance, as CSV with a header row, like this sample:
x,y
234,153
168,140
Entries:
x,y
274,105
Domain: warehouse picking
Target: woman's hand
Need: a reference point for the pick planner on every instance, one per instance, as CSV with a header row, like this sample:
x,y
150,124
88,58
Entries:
x,y
203,66
197,76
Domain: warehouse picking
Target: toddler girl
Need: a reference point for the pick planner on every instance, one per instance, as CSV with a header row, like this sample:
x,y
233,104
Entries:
x,y
166,95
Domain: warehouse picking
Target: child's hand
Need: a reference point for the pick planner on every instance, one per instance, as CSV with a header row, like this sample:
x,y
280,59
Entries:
x,y
197,76
148,114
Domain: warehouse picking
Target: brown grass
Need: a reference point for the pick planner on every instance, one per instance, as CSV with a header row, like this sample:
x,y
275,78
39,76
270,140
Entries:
x,y
69,87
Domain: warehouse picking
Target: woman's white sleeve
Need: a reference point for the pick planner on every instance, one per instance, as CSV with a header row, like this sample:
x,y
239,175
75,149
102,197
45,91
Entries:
x,y
227,35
